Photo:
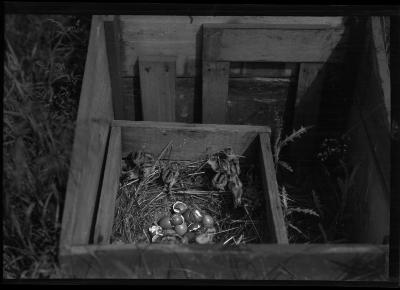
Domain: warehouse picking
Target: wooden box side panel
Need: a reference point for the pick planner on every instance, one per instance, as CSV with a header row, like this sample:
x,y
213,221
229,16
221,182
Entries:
x,y
179,36
255,262
91,135
369,132
188,142
275,219
109,189
241,42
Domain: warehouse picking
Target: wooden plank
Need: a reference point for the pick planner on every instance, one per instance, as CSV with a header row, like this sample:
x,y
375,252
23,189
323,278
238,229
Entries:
x,y
355,262
178,35
130,21
369,202
185,53
201,127
190,141
372,96
369,130
258,101
157,85
94,115
128,95
263,69
275,218
112,36
306,112
273,45
110,185
269,26
382,62
186,98
215,92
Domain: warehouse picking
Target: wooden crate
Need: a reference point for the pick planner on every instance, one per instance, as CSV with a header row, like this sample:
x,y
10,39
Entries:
x,y
190,142
107,95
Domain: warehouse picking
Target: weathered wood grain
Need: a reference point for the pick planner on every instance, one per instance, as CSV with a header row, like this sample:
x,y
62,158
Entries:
x,y
185,100
274,212
177,35
112,37
369,131
91,133
215,92
253,43
190,141
263,69
109,188
382,62
157,86
354,262
258,101
128,92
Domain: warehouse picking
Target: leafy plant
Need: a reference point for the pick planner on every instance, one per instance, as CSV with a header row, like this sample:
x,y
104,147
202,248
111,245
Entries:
x,y
280,143
289,205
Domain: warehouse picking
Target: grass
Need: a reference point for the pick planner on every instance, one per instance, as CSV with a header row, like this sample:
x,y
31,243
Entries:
x,y
43,68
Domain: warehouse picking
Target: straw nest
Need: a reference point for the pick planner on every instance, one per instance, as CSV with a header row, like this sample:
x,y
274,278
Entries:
x,y
221,186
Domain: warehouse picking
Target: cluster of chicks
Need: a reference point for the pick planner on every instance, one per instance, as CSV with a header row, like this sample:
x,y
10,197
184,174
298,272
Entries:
x,y
139,165
183,226
225,164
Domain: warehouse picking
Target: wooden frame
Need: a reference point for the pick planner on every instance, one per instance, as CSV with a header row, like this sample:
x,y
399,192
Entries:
x,y
191,141
353,262
91,174
225,43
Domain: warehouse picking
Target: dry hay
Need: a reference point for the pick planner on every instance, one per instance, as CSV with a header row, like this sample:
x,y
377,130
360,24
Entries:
x,y
144,197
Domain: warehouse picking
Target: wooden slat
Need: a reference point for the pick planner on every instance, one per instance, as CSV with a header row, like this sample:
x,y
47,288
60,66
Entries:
x,y
112,35
382,62
190,141
262,69
108,195
269,26
240,43
258,101
178,35
275,218
369,131
240,129
91,133
215,92
128,92
157,85
306,111
354,262
131,20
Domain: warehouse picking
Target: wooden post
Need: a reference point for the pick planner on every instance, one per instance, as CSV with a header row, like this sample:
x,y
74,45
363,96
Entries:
x,y
112,37
157,85
215,92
